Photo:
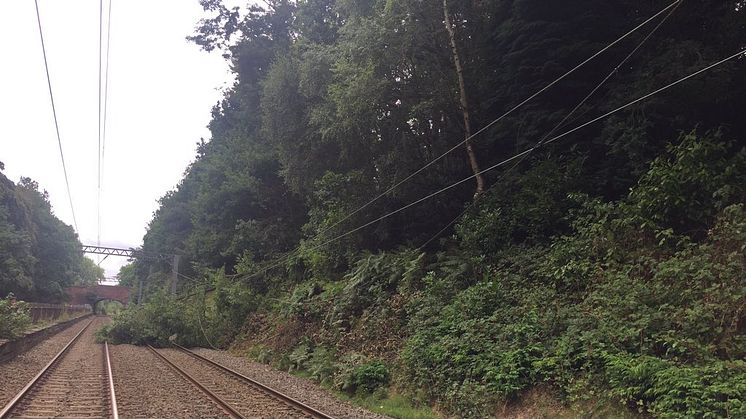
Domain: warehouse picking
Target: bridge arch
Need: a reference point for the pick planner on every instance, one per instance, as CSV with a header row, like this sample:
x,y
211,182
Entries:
x,y
93,294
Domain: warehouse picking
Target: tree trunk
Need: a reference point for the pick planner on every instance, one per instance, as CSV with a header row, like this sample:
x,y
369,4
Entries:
x,y
464,102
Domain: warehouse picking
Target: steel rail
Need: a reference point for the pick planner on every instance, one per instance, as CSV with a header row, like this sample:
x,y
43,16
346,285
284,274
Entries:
x,y
222,403
272,392
110,376
21,394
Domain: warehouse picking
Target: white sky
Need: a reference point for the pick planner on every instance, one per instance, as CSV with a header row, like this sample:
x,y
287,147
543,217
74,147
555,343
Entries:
x,y
161,91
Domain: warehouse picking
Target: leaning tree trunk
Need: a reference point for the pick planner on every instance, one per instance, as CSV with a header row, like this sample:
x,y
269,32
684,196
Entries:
x,y
464,102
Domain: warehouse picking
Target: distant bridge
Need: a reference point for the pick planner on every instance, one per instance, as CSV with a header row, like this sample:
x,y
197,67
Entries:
x,y
93,294
135,253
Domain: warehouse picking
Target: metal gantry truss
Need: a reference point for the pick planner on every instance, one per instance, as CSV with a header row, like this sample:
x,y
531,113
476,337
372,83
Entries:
x,y
128,253
135,253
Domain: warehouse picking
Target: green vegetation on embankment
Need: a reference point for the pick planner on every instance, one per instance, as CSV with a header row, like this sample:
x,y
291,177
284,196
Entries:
x,y
14,318
606,269
39,254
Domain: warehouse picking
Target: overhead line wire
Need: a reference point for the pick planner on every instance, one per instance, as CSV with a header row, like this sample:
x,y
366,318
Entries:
x,y
102,119
54,114
106,95
100,55
741,53
561,122
500,118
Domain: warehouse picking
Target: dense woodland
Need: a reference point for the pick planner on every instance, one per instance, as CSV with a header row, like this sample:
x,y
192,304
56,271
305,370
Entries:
x,y
605,267
39,254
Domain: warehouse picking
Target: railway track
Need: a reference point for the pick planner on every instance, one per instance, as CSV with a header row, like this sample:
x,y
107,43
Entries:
x,y
238,395
75,383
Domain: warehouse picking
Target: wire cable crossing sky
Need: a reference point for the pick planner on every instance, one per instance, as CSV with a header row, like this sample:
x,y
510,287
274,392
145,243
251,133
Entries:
x,y
148,110
54,114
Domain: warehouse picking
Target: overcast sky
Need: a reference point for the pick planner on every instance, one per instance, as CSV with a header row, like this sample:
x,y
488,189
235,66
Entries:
x,y
161,90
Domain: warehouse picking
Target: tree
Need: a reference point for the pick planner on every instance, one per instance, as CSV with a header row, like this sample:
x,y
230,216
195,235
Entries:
x,y
39,254
89,273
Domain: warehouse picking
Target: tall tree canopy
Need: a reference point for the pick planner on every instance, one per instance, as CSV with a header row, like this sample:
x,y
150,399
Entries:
x,y
608,264
337,101
39,254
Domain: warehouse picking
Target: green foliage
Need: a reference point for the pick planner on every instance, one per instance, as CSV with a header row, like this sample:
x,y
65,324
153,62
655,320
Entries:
x,y
353,373
675,391
322,364
89,273
368,377
520,210
39,255
156,322
687,186
394,405
607,245
14,318
623,304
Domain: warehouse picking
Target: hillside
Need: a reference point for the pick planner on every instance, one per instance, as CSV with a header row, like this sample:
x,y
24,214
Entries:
x,y
395,201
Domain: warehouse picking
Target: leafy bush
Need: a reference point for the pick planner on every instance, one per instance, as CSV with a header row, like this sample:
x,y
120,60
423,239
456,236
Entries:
x,y
322,364
369,376
359,375
669,390
157,322
643,302
14,318
520,209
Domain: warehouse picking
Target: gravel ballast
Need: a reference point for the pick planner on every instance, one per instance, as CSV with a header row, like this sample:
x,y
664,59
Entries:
x,y
75,387
147,387
248,399
16,373
298,388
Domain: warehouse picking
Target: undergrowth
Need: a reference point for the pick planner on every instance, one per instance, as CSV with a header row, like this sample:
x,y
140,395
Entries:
x,y
638,301
14,318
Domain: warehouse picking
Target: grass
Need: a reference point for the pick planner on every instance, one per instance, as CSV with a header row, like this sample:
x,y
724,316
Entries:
x,y
394,405
389,404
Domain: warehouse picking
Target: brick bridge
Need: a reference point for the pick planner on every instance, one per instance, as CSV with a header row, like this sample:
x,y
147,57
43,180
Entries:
x,y
96,293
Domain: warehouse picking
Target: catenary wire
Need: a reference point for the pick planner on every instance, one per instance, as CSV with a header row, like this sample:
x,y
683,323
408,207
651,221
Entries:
x,y
102,119
106,95
741,53
560,123
54,114
500,118
98,172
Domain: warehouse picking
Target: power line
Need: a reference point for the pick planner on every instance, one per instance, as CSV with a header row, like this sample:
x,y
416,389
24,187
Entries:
x,y
102,118
741,53
500,118
106,95
54,114
561,122
98,172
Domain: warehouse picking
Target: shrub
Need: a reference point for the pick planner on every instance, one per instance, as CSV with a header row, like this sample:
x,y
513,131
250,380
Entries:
x,y
359,375
14,318
370,376
669,390
322,365
156,322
